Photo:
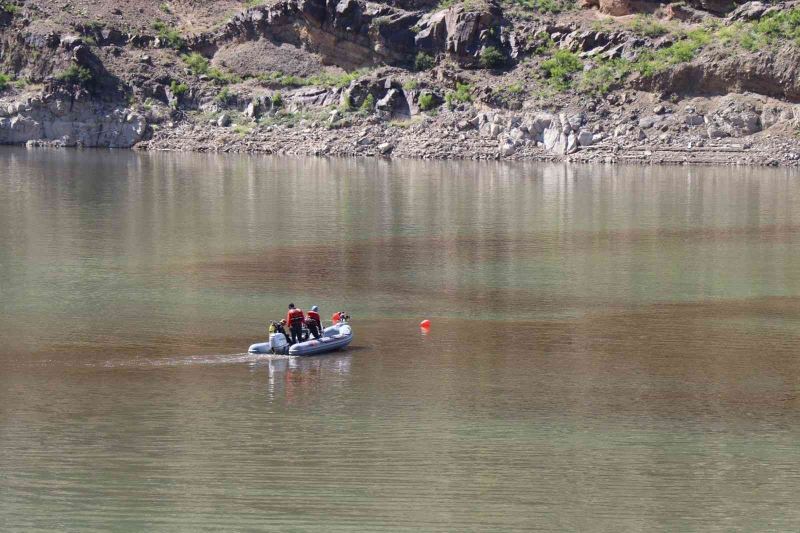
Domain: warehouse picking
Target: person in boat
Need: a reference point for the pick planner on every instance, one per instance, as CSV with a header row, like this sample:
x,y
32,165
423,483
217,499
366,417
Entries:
x,y
340,316
295,318
279,327
314,322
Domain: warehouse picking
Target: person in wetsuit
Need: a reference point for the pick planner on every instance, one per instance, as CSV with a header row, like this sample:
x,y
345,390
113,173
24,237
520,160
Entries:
x,y
279,327
314,322
295,319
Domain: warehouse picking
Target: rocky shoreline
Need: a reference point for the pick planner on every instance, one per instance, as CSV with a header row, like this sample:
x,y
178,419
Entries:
x,y
666,136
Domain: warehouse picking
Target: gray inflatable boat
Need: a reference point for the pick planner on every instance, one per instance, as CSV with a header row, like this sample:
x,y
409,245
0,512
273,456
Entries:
x,y
333,338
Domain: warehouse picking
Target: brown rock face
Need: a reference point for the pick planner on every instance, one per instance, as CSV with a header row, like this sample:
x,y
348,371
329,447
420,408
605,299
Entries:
x,y
615,8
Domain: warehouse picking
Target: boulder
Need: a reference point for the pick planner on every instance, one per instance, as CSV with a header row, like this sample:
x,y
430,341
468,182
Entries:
x,y
585,138
615,8
507,146
389,102
224,120
461,31
693,119
253,110
733,120
559,137
650,122
748,11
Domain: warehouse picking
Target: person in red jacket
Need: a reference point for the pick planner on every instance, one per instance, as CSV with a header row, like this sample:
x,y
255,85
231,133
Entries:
x,y
314,322
295,319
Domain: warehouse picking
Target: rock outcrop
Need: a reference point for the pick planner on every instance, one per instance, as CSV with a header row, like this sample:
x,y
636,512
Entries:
x,y
63,119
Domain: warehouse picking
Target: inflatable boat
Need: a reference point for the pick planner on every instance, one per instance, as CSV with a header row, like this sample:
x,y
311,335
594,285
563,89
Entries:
x,y
333,338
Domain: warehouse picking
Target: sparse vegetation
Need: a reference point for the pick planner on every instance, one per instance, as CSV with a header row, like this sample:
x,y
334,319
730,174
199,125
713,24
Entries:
x,y
682,51
771,29
491,57
75,74
560,68
8,7
462,94
224,96
178,89
196,63
368,105
646,26
169,35
410,85
242,129
165,8
423,61
277,99
5,79
324,79
346,104
605,76
407,123
199,66
427,101
546,6
780,24
741,34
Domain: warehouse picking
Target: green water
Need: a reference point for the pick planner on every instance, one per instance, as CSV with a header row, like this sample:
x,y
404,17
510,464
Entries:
x,y
613,348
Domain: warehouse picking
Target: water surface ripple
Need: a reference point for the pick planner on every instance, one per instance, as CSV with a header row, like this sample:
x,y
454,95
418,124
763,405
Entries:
x,y
613,348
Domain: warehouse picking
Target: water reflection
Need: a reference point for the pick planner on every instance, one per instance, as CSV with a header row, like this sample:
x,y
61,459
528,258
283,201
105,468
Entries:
x,y
292,379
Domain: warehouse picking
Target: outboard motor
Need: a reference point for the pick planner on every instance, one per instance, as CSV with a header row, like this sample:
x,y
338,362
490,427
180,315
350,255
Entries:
x,y
278,343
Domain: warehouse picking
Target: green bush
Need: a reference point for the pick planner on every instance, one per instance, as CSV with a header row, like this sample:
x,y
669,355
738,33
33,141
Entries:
x,y
196,63
424,61
4,81
324,79
560,68
785,23
645,26
75,74
277,99
681,51
426,101
463,94
410,85
346,104
9,8
368,105
546,6
605,76
199,65
491,57
224,96
172,37
178,89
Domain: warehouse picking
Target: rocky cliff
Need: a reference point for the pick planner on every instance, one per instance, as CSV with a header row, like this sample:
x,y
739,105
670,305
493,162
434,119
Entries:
x,y
605,80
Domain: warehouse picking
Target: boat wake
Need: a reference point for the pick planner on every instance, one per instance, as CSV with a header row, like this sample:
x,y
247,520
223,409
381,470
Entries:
x,y
190,360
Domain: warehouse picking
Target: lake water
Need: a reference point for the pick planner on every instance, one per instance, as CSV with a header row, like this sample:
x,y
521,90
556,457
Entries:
x,y
612,349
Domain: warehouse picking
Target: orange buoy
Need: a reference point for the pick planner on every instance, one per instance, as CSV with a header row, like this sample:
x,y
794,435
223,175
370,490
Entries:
x,y
425,324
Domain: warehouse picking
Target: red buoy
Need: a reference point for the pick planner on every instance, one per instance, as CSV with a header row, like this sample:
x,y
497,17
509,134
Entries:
x,y
425,324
